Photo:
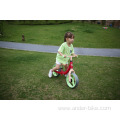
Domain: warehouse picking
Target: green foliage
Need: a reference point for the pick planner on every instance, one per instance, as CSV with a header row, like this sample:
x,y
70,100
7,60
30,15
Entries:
x,y
37,22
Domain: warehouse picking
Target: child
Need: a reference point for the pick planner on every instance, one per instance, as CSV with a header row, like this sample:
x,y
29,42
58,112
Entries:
x,y
66,49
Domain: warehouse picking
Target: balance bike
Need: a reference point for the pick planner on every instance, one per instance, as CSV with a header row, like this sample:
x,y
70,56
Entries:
x,y
73,79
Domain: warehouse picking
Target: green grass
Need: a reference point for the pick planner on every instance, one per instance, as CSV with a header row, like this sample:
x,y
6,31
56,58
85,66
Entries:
x,y
86,35
23,75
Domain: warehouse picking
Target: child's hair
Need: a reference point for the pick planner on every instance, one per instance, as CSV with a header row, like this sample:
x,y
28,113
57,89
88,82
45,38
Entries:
x,y
68,35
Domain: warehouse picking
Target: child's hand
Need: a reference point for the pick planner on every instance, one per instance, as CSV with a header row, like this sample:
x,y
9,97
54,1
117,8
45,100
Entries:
x,y
64,56
76,55
70,79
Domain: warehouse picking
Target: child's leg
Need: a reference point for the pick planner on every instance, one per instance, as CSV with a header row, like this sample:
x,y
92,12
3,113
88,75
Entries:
x,y
56,67
66,66
71,70
51,70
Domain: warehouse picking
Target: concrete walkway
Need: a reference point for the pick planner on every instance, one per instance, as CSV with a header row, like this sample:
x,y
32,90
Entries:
x,y
53,49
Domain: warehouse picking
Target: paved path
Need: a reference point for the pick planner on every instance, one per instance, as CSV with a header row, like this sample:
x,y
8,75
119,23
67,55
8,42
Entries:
x,y
53,49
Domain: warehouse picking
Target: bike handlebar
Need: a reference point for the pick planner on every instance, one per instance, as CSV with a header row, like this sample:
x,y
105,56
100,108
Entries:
x,y
70,56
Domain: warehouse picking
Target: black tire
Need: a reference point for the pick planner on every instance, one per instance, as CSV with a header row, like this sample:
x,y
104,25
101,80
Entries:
x,y
76,81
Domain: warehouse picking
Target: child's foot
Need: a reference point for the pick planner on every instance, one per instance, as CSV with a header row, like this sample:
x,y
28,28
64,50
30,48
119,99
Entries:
x,y
50,73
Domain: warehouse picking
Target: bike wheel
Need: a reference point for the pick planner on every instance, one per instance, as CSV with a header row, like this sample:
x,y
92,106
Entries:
x,y
54,73
74,80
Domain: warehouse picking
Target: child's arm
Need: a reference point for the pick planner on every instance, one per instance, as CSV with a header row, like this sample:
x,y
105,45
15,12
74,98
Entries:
x,y
61,54
74,55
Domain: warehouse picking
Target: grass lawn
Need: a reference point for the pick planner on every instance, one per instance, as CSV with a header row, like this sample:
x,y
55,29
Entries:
x,y
86,35
23,75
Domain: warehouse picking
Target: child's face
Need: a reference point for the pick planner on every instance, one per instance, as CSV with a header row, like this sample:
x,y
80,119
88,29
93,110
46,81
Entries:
x,y
70,40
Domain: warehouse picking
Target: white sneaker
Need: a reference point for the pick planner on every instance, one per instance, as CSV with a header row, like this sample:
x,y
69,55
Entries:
x,y
50,73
